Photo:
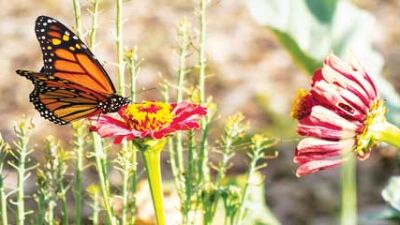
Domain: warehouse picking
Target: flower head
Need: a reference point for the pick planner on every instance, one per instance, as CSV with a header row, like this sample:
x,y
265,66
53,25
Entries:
x,y
153,120
338,116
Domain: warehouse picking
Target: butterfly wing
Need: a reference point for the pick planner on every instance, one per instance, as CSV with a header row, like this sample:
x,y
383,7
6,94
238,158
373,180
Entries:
x,y
66,57
61,101
72,84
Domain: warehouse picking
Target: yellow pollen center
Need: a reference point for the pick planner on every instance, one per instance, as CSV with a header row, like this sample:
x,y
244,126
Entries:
x,y
149,116
365,140
297,110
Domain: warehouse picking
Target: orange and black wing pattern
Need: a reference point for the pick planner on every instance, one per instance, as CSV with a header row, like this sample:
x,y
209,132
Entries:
x,y
72,84
61,101
66,57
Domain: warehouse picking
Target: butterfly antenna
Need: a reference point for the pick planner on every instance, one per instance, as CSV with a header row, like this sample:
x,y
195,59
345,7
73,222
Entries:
x,y
143,91
98,117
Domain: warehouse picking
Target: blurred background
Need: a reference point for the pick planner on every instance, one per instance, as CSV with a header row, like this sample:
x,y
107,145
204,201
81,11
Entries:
x,y
249,71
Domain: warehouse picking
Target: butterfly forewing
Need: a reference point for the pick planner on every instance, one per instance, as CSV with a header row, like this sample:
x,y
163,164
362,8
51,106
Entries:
x,y
65,56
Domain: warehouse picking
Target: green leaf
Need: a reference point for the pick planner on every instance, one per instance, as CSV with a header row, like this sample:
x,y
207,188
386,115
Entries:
x,y
307,63
323,10
385,214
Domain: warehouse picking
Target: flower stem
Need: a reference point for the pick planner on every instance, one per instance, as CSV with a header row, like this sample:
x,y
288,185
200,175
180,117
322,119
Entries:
x,y
151,156
349,192
388,133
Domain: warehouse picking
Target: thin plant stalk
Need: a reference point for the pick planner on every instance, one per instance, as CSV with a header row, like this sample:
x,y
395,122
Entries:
x,y
348,215
171,151
101,166
183,33
3,202
79,142
260,144
126,161
119,45
93,26
190,180
125,194
79,139
96,210
41,210
94,193
4,150
202,41
77,16
21,156
133,64
203,153
129,167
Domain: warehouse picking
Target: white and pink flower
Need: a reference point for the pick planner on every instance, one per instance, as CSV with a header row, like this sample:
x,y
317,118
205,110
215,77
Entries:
x,y
336,116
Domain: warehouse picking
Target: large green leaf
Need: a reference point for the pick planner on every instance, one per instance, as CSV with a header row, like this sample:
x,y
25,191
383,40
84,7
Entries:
x,y
311,29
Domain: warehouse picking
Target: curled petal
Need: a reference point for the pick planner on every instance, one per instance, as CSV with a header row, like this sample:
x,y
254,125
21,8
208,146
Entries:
x,y
310,149
317,165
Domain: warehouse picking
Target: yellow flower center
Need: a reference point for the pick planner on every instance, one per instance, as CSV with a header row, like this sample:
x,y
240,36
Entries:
x,y
366,139
149,115
299,106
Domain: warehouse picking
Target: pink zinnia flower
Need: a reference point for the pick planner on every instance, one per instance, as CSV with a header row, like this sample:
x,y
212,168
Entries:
x,y
153,120
338,116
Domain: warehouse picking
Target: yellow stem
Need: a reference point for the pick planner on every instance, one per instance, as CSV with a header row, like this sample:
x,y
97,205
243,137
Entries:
x,y
151,156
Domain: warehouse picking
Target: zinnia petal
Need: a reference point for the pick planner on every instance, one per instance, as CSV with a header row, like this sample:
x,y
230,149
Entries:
x,y
334,116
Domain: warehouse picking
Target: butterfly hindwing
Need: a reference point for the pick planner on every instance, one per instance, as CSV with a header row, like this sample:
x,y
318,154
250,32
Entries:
x,y
61,101
65,56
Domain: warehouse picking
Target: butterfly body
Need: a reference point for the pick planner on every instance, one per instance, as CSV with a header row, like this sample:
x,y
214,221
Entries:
x,y
72,84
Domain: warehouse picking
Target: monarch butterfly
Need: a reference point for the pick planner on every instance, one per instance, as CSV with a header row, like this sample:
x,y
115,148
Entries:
x,y
72,84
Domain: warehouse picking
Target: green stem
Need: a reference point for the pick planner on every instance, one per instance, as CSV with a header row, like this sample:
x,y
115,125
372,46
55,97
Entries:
x,y
134,69
93,26
101,165
203,155
96,209
189,180
79,156
151,156
120,53
201,56
125,194
349,192
388,133
127,161
50,211
64,206
3,200
77,16
41,210
21,180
